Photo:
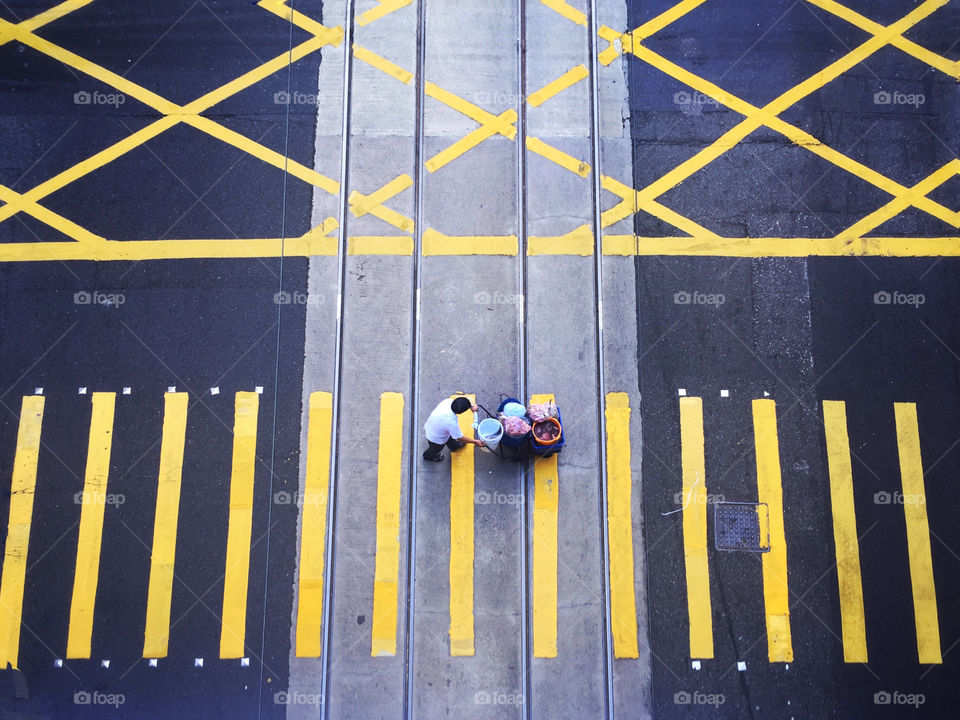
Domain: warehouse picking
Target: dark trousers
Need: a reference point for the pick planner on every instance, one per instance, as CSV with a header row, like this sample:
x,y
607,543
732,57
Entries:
x,y
436,448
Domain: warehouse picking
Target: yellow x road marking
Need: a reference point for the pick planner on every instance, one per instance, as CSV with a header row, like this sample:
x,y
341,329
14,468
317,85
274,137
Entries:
x,y
174,114
768,115
490,125
16,202
360,205
385,7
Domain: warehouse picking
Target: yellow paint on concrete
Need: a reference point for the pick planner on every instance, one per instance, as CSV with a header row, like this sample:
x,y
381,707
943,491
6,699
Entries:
x,y
776,593
384,7
313,526
694,499
567,10
845,537
567,162
383,629
570,78
623,601
612,52
546,507
918,534
23,486
382,64
499,125
380,245
240,527
461,542
575,242
360,205
156,636
94,501
435,243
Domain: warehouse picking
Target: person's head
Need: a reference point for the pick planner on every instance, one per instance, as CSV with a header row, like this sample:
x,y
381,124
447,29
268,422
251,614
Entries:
x,y
460,405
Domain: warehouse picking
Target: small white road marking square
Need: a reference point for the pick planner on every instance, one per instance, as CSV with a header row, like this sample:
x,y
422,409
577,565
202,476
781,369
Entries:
x,y
724,393
741,666
126,391
215,391
105,664
38,391
152,662
198,662
82,391
259,389
681,392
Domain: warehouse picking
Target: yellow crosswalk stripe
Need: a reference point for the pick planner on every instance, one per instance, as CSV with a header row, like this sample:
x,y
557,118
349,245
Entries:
x,y
239,530
94,500
461,543
918,534
22,488
694,499
156,634
770,493
387,562
313,522
623,601
845,536
546,505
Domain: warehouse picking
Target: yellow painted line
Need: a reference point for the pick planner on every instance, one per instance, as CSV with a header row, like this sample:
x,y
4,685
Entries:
x,y
48,16
461,542
546,506
570,78
623,601
156,634
379,245
474,112
313,523
776,594
575,242
383,631
382,64
845,536
261,152
471,140
918,534
16,202
903,201
360,204
612,37
435,243
23,486
781,247
385,7
568,11
696,562
279,8
631,201
94,500
240,527
663,19
920,53
568,162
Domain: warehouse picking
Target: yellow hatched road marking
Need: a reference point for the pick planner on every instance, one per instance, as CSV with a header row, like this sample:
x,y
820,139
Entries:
x,y
696,562
387,563
465,107
632,200
279,8
623,601
546,506
567,10
48,16
845,537
379,245
461,542
385,7
500,123
567,162
313,534
575,242
360,204
612,37
16,202
776,594
918,534
570,78
91,525
908,46
663,19
240,527
382,64
23,487
435,243
156,636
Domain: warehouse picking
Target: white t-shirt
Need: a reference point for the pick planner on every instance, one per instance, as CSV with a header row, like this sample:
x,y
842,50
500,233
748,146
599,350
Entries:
x,y
443,423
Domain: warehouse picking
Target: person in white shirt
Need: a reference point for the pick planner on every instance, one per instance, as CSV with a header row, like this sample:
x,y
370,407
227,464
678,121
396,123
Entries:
x,y
443,428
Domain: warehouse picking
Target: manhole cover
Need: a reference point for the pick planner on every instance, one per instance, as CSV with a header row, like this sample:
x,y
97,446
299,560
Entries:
x,y
741,526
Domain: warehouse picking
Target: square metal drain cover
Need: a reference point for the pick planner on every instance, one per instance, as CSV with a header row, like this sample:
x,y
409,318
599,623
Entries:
x,y
741,526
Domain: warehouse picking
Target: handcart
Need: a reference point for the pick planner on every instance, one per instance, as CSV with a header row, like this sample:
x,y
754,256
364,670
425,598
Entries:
x,y
491,431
